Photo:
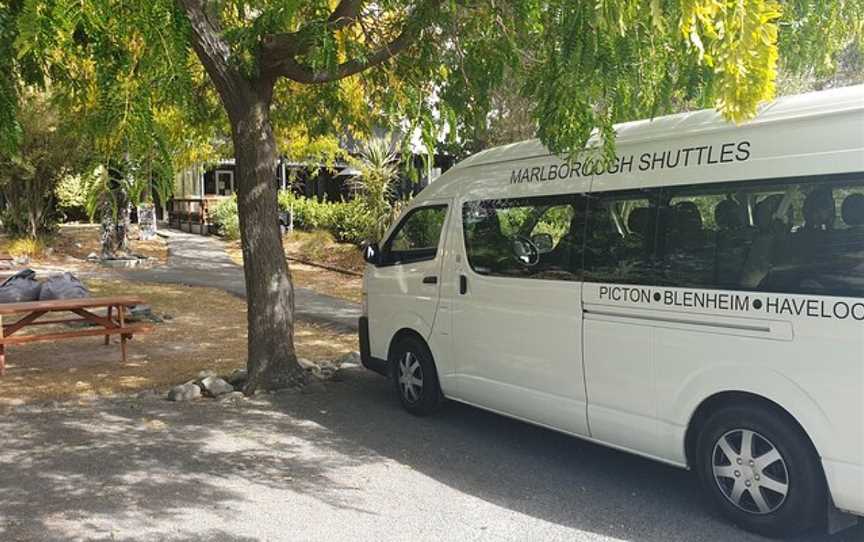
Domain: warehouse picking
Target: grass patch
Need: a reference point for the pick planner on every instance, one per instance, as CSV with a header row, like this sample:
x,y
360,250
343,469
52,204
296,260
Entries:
x,y
72,243
319,247
207,330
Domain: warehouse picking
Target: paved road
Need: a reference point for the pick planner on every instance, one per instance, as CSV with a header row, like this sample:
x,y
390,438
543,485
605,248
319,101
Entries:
x,y
341,464
197,260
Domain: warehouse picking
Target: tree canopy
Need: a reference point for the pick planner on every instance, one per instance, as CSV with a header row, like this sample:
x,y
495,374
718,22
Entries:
x,y
128,67
161,80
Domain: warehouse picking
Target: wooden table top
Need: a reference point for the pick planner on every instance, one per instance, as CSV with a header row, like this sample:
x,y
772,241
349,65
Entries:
x,y
68,304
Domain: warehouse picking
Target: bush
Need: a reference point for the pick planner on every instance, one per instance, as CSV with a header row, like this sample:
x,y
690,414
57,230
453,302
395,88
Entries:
x,y
30,247
225,217
71,194
347,221
352,222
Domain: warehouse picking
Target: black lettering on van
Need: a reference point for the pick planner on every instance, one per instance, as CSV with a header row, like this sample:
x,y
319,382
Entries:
x,y
645,162
743,151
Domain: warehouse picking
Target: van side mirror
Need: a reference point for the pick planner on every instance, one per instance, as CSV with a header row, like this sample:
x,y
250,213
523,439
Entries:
x,y
372,253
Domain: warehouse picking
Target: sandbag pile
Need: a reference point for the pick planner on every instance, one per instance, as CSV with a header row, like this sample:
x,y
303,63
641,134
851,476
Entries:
x,y
23,286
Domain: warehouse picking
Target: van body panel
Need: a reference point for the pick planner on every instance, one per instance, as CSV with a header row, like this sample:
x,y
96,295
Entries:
x,y
397,296
630,368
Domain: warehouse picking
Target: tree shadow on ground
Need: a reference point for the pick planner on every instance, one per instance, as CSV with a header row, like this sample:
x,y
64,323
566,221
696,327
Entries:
x,y
146,469
136,470
528,469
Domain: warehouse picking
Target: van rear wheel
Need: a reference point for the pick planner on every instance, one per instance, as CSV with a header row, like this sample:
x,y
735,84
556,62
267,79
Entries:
x,y
415,377
760,471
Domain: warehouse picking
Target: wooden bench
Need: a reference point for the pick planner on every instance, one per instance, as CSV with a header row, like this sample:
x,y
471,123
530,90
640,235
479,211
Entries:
x,y
112,324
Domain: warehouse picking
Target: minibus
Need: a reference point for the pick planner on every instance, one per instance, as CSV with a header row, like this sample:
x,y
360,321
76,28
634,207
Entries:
x,y
697,300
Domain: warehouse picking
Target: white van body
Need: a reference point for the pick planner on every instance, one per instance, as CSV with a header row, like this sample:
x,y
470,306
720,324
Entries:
x,y
629,365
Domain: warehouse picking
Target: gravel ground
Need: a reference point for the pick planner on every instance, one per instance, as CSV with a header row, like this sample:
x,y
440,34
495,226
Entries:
x,y
337,464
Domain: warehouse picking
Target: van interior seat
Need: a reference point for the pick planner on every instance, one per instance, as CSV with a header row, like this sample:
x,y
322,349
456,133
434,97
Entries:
x,y
852,213
852,210
732,241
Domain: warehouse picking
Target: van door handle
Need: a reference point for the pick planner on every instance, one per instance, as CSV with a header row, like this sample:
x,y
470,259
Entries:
x,y
463,284
431,279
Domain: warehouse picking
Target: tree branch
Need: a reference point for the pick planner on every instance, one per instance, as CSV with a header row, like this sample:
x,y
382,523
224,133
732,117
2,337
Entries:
x,y
215,54
297,43
279,60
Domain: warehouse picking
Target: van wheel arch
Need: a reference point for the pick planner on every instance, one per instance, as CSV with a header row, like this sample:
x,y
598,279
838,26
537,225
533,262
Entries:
x,y
398,336
727,398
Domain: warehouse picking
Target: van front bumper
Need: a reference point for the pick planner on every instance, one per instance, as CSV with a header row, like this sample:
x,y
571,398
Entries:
x,y
846,483
373,364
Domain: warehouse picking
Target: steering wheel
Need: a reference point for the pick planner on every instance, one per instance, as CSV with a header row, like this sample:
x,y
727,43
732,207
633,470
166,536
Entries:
x,y
525,251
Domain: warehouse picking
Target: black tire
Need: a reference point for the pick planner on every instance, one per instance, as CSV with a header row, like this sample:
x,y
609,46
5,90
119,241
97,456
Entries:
x,y
791,490
412,353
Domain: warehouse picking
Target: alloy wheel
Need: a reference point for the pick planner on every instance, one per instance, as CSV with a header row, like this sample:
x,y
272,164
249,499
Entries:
x,y
410,377
750,471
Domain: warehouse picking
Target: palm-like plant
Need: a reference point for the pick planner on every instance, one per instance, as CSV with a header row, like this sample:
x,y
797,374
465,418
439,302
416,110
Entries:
x,y
378,163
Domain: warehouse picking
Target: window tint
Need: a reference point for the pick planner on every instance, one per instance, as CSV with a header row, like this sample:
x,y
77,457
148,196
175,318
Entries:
x,y
622,237
797,236
537,238
416,237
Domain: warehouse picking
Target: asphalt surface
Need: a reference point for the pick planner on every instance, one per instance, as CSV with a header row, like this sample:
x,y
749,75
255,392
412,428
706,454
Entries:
x,y
344,463
196,260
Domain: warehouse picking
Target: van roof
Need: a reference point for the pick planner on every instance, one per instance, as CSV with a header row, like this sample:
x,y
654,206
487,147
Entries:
x,y
819,103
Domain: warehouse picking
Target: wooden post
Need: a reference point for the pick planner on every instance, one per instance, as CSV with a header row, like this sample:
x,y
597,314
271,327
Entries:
x,y
121,309
107,337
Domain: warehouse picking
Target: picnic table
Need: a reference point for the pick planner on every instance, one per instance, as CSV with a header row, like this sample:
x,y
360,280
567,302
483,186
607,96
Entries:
x,y
113,323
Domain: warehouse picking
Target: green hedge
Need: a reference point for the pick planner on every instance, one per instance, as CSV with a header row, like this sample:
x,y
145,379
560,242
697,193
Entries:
x,y
348,221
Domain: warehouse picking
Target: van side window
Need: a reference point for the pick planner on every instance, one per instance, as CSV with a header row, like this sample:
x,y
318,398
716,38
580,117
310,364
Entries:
x,y
622,237
800,236
538,238
416,237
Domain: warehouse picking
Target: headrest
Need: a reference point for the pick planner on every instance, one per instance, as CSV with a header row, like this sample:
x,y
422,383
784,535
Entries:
x,y
819,208
765,209
853,210
730,215
687,216
640,221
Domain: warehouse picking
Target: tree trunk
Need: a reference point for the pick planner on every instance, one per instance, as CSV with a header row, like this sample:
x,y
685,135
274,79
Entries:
x,y
272,362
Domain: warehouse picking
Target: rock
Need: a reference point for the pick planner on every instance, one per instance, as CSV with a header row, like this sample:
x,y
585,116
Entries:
x,y
305,363
237,377
167,317
141,310
215,386
184,392
92,256
352,358
206,373
232,397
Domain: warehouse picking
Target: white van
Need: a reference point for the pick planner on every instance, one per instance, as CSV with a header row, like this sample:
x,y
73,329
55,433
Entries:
x,y
698,301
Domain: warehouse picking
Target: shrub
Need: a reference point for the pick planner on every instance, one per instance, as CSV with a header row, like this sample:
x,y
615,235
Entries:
x,y
225,217
71,194
352,222
26,246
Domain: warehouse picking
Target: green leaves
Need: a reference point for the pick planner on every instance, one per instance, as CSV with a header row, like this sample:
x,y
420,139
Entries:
x,y
738,40
563,69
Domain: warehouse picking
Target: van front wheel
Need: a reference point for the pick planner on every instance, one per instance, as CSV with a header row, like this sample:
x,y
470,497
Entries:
x,y
760,471
415,377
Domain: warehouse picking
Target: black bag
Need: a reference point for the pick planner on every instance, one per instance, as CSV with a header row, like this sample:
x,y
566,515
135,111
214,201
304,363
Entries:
x,y
65,286
22,286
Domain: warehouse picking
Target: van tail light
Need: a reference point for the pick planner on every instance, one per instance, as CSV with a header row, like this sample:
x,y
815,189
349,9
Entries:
x,y
364,304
